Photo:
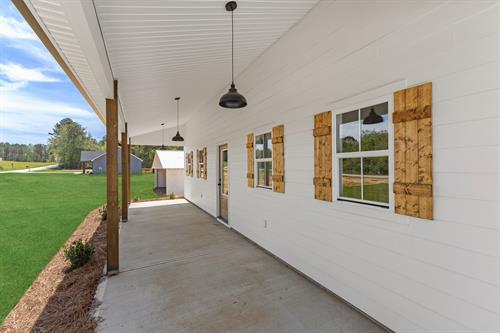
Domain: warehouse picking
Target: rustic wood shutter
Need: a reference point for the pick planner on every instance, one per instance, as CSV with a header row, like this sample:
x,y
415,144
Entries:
x,y
278,136
191,163
187,164
412,120
250,164
197,163
323,156
204,162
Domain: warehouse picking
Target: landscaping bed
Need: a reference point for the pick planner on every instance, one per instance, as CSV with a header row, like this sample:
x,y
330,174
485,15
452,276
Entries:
x,y
60,300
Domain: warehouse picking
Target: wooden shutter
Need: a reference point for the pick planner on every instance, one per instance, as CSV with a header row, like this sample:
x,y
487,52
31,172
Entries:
x,y
250,164
191,163
412,120
204,162
197,163
323,156
278,136
187,164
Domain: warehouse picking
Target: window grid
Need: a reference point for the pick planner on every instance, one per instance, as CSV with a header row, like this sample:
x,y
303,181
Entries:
x,y
339,156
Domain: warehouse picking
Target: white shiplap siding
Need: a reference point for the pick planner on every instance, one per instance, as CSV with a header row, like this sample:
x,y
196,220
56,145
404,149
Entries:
x,y
410,274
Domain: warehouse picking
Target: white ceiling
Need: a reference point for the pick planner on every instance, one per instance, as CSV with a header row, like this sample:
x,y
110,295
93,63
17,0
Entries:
x,y
160,49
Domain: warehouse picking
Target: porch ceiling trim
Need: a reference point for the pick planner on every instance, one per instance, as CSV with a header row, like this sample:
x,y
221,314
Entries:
x,y
56,53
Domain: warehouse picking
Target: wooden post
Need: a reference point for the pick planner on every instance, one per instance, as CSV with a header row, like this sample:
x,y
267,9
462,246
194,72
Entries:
x,y
112,182
129,170
125,175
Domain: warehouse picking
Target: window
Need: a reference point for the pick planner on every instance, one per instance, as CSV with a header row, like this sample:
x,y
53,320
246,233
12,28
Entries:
x,y
201,163
264,160
363,155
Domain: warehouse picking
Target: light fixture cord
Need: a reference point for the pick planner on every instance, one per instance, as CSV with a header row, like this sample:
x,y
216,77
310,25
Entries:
x,y
232,47
163,135
177,116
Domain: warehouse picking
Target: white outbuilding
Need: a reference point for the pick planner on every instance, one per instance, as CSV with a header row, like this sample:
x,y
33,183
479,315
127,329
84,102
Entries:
x,y
168,168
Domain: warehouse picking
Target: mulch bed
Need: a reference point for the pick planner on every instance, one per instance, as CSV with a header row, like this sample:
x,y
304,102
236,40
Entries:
x,y
61,301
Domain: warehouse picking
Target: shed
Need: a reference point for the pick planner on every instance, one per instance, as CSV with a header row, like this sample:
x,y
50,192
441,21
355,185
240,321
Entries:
x,y
97,161
168,168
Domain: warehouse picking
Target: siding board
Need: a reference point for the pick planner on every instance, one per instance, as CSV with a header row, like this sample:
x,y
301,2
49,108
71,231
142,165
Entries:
x,y
406,273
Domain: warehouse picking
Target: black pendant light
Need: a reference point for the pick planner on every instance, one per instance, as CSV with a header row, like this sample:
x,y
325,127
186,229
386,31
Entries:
x,y
232,99
177,136
162,136
373,118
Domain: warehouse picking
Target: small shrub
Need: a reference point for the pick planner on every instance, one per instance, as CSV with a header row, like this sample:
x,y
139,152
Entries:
x,y
103,212
171,195
79,253
136,199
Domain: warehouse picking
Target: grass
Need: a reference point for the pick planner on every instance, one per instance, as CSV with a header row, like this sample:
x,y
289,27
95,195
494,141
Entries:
x,y
375,192
11,165
38,214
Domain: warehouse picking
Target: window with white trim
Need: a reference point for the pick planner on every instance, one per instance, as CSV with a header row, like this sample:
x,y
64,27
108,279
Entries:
x,y
264,160
362,155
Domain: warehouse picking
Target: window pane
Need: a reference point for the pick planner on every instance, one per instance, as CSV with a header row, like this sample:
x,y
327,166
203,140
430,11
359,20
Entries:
x,y
374,135
269,146
350,177
261,173
225,173
376,179
259,146
269,174
348,132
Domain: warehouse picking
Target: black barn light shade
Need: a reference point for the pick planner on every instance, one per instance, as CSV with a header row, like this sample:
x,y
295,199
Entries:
x,y
163,136
177,136
232,99
373,118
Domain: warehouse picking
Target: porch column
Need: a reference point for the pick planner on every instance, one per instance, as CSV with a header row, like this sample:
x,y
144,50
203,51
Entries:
x,y
112,181
129,170
125,168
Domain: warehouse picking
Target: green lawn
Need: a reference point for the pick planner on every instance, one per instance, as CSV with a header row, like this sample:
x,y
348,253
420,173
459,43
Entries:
x,y
375,192
11,165
38,213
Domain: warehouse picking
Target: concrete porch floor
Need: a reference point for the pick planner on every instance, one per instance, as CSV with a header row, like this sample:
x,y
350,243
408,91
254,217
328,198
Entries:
x,y
182,271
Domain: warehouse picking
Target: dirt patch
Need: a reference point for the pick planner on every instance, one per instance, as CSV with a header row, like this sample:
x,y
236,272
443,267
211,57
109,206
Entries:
x,y
61,301
356,181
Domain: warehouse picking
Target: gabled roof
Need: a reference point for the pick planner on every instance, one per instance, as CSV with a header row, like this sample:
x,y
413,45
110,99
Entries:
x,y
91,156
168,159
88,156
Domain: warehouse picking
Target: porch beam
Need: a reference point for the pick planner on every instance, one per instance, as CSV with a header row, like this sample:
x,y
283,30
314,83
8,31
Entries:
x,y
112,182
129,170
125,176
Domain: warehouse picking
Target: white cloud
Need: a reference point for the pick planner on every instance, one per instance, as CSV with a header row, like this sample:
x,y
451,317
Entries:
x,y
11,28
27,118
10,86
19,73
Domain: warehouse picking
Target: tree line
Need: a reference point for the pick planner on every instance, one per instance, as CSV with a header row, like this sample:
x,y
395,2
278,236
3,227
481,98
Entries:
x,y
66,141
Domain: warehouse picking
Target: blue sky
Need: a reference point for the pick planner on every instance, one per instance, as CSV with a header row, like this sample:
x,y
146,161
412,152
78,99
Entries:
x,y
34,91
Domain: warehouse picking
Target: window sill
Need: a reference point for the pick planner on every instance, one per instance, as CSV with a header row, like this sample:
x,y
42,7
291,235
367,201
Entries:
x,y
355,203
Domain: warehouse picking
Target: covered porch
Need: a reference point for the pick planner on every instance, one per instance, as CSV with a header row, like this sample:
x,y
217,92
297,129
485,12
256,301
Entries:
x,y
183,271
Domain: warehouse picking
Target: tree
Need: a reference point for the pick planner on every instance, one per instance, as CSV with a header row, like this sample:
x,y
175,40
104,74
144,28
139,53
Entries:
x,y
67,140
147,153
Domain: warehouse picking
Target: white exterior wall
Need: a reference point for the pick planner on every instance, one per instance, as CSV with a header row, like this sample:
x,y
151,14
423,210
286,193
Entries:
x,y
411,275
175,181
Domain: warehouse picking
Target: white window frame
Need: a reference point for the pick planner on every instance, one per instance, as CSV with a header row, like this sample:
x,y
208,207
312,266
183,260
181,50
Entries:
x,y
267,159
361,154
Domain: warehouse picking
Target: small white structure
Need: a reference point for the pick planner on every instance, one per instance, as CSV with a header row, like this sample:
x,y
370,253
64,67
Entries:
x,y
168,167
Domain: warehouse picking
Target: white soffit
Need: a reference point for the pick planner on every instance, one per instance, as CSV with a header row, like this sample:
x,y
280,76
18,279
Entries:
x,y
160,49
74,32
